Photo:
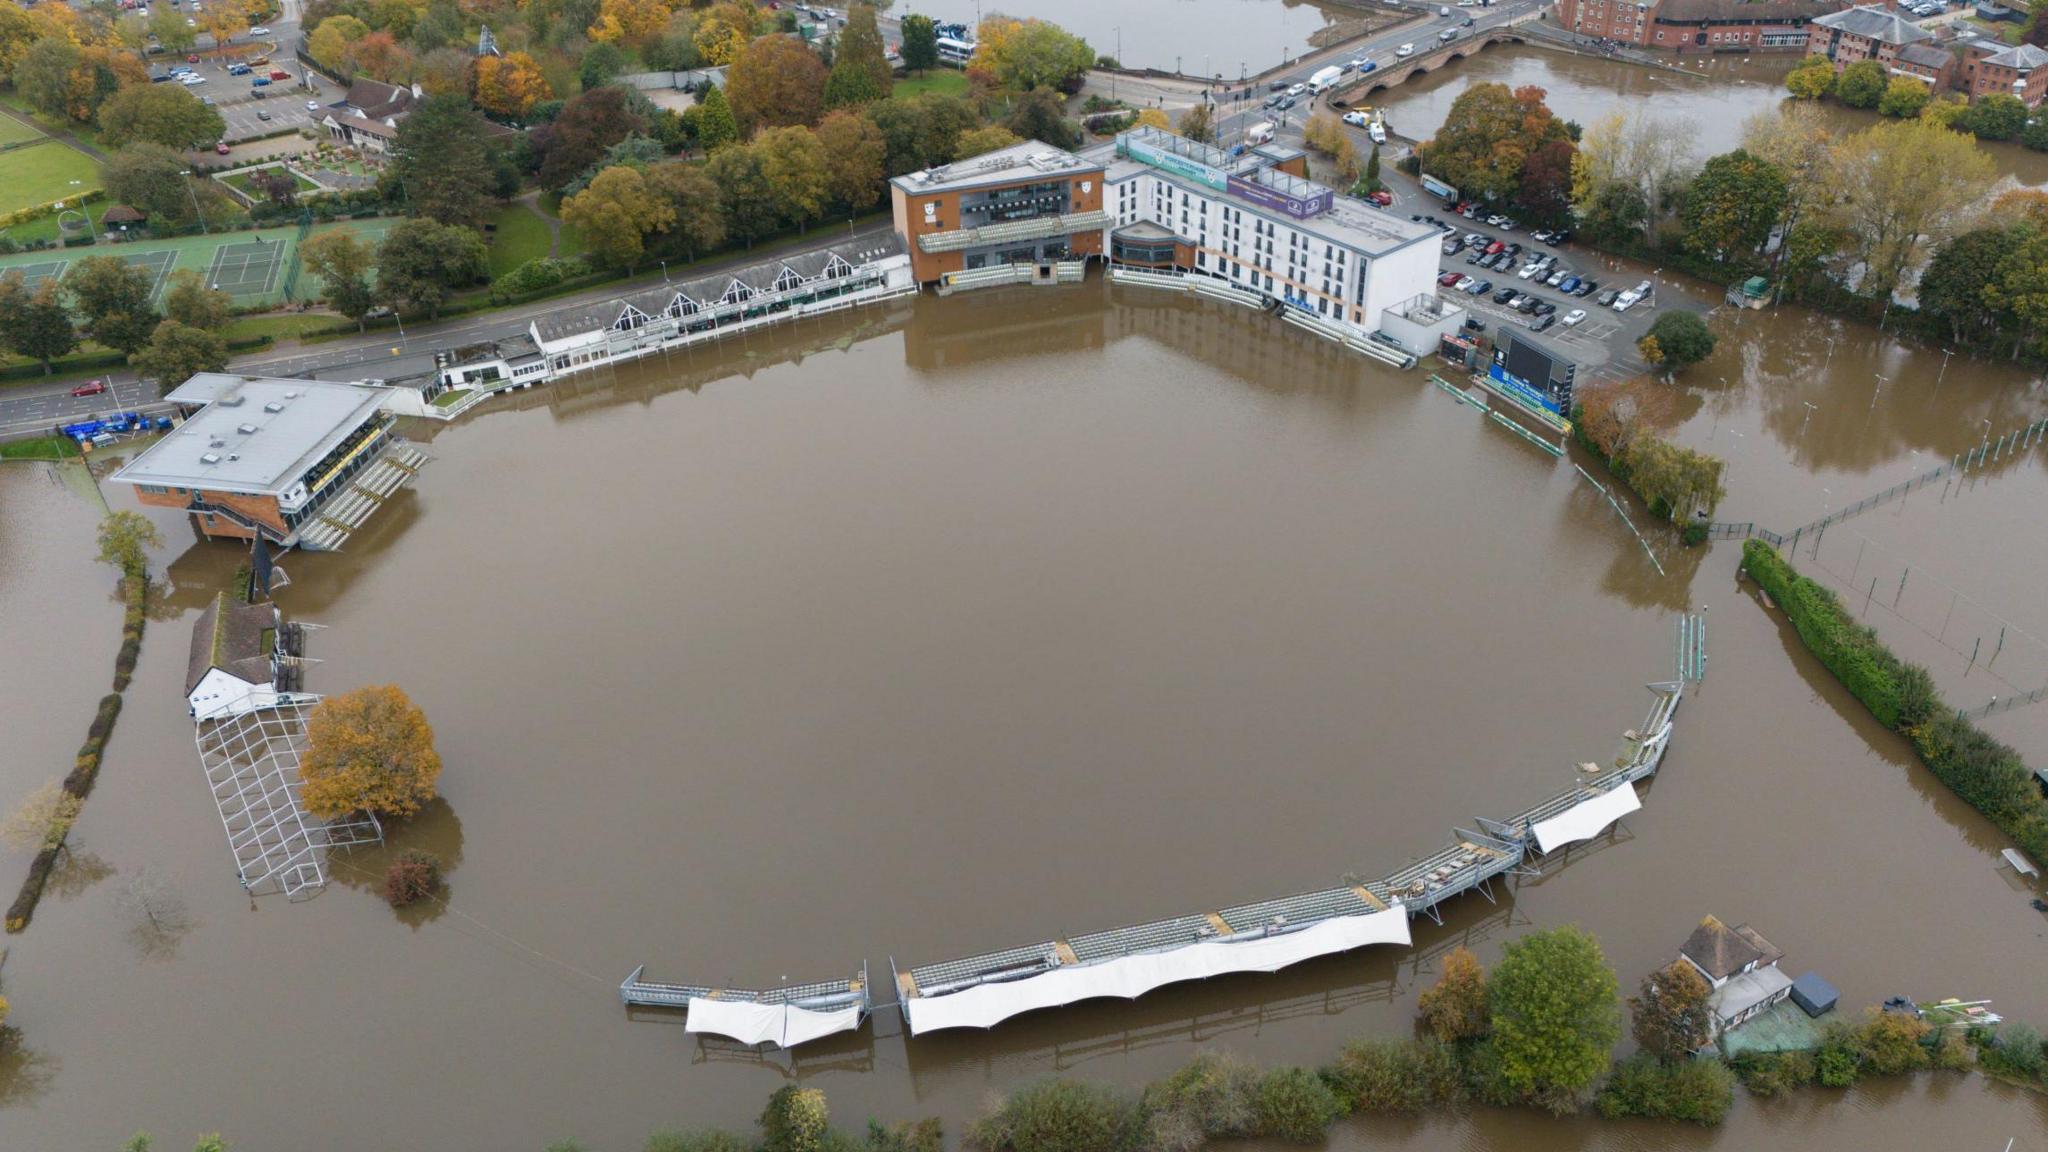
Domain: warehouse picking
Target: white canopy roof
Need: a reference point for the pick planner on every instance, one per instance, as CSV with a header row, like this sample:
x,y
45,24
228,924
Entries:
x,y
779,1024
1129,977
1588,819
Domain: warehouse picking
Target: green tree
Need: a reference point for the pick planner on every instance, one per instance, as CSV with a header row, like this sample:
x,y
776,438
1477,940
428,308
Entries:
x,y
715,125
1732,206
1813,79
601,62
34,323
1683,338
1616,215
111,299
1904,96
190,302
1670,1016
1675,481
150,177
795,1120
1997,116
921,132
176,353
853,158
344,265
1059,1116
166,114
1295,1105
1041,114
860,72
43,76
1488,136
920,49
1371,179
168,25
1551,1007
744,192
1861,85
1958,285
617,212
2022,286
1025,54
980,141
441,162
797,169
1454,1008
1903,187
421,261
699,214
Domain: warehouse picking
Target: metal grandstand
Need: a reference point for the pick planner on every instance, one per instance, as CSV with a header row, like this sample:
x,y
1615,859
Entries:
x,y
635,992
251,760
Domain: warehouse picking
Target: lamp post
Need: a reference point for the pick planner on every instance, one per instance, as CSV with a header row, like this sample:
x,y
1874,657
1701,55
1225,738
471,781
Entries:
x,y
1119,30
187,173
85,210
1945,354
1831,355
1882,380
1808,418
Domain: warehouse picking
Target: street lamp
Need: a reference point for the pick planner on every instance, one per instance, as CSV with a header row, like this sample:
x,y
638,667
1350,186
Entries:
x,y
1831,355
187,173
1808,419
1119,30
1882,380
1945,354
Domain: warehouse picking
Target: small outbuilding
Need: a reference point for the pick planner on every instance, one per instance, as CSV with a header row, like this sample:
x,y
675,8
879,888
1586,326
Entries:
x,y
122,214
1814,994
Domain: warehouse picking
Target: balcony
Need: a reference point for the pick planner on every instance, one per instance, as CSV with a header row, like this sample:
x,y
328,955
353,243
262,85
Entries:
x,y
1014,231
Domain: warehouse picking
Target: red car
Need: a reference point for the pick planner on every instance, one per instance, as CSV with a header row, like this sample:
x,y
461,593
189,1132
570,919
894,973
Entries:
x,y
1448,279
221,148
90,388
1383,198
1496,248
191,59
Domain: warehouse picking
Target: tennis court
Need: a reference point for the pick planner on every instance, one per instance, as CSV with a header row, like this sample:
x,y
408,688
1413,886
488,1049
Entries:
x,y
36,273
248,269
157,264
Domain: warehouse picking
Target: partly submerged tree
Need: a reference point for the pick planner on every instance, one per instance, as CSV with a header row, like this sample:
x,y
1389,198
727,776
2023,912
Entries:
x,y
1670,1016
369,749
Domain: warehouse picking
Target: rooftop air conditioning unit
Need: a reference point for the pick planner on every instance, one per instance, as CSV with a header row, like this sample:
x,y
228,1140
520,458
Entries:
x,y
246,429
274,406
210,458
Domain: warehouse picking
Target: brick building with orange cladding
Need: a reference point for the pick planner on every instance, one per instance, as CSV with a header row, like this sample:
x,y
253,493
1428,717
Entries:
x,y
1029,203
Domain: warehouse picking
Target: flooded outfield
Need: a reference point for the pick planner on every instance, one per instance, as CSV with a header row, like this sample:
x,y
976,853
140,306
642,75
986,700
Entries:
x,y
918,632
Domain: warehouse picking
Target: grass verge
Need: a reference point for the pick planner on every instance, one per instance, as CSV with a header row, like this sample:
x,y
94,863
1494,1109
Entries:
x,y
520,236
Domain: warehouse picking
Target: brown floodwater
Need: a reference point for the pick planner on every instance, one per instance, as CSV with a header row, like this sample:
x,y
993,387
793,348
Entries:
x,y
921,631
1712,98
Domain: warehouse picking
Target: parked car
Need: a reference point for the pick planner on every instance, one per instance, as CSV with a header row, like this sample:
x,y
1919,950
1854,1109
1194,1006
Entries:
x,y
1570,285
262,115
259,31
1586,288
1559,237
1504,296
312,105
90,388
239,69
1357,119
1453,246
1383,198
1544,308
1481,288
1555,278
1627,300
1448,279
221,149
1494,220
1462,283
1529,270
192,59
1574,317
191,78
1525,304
1607,298
1495,248
260,82
1541,322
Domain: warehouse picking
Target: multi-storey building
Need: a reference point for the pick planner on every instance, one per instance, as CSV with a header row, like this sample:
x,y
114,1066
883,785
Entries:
x,y
1029,203
1697,26
2021,70
1868,32
1248,219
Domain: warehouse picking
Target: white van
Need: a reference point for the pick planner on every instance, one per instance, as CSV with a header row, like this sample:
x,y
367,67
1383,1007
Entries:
x,y
1378,132
1260,133
1325,79
1405,50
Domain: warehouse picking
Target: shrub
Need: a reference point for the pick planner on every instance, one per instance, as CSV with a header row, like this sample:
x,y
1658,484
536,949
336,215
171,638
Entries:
x,y
1454,1008
1693,535
1952,1053
794,1120
1699,1091
1776,1073
705,1140
909,1136
413,877
1060,1116
1892,1043
2015,1050
1213,1096
1400,1077
1295,1105
1836,1064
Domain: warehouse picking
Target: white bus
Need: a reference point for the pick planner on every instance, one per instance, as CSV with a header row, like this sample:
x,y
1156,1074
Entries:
x,y
955,52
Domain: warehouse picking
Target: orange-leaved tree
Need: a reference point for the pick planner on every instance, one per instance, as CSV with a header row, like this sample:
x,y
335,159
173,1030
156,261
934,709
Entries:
x,y
368,749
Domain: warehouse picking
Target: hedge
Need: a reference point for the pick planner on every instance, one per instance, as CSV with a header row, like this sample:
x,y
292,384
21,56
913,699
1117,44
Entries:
x,y
1987,774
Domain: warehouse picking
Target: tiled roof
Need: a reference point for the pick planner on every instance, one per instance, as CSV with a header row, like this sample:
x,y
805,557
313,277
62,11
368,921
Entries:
x,y
1875,24
1926,55
2023,57
1721,951
230,637
1743,11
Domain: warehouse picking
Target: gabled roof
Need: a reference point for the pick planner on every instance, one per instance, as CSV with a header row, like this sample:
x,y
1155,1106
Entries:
x,y
230,637
2023,57
376,99
1876,24
1742,11
1721,951
1926,55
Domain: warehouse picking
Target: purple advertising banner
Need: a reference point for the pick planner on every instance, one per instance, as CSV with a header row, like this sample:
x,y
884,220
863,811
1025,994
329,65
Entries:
x,y
1300,209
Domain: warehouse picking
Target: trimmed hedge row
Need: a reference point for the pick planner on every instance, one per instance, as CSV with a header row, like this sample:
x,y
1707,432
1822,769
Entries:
x,y
1986,773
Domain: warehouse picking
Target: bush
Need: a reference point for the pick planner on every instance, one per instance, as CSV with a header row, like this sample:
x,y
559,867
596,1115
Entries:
x,y
1850,650
1398,1077
705,1140
1693,534
1893,1043
795,1120
540,274
2015,1050
413,877
1836,1064
1699,1091
1213,1096
1777,1073
1060,1116
1295,1105
909,1136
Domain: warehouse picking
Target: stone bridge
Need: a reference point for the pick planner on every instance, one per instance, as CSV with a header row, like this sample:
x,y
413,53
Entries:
x,y
1357,89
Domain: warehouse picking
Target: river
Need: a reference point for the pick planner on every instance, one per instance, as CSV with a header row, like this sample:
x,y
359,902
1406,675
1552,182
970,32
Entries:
x,y
921,631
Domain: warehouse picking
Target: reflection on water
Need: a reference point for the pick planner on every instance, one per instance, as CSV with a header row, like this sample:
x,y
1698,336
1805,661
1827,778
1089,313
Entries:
x,y
925,630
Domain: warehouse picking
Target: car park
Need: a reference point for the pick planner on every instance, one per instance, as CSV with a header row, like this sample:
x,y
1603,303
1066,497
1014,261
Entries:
x,y
1573,317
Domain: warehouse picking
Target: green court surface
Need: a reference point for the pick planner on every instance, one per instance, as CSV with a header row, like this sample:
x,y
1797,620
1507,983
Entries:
x,y
253,267
13,131
44,173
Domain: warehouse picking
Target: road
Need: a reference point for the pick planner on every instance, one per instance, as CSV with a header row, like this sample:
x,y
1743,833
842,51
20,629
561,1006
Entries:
x,y
380,353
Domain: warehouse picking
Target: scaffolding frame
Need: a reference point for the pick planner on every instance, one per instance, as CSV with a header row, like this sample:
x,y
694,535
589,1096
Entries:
x,y
251,759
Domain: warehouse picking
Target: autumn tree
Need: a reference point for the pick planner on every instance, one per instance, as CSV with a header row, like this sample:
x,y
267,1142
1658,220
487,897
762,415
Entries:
x,y
1812,79
414,876
110,297
1198,124
616,212
223,19
1670,1015
589,124
1904,97
34,323
796,168
175,353
1020,55
1454,1008
628,21
1551,1009
1157,118
1544,188
420,262
978,141
1627,171
1904,188
1487,137
42,820
725,29
775,81
344,265
699,224
1041,115
166,114
369,749
745,194
510,85
190,302
333,40
853,159
442,163
1861,85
